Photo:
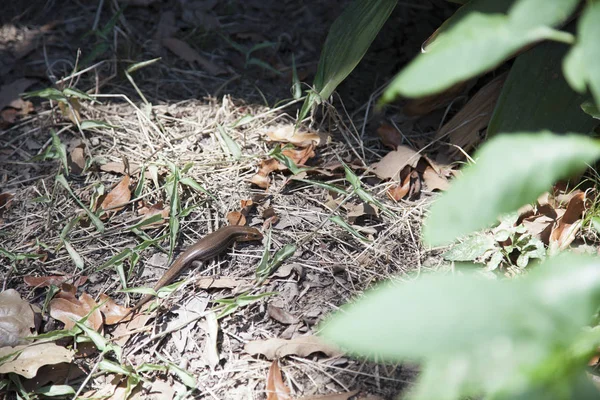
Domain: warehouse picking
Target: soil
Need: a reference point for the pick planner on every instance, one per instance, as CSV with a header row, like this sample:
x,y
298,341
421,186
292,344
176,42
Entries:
x,y
174,117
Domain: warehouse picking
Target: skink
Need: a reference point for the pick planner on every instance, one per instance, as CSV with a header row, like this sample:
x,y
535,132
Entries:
x,y
209,246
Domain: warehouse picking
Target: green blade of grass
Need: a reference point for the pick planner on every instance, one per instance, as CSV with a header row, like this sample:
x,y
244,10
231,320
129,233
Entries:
x,y
95,220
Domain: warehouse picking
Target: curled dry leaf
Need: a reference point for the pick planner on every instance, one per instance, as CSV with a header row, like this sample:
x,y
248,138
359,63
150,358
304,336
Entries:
x,y
261,178
236,218
569,224
300,156
301,346
394,162
28,359
276,388
56,280
66,309
16,319
390,136
113,313
289,134
118,196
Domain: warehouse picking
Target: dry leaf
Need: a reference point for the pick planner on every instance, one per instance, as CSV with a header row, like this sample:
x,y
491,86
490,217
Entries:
x,y
149,211
218,283
289,134
336,396
433,180
56,280
569,224
72,113
11,91
276,388
66,309
118,196
300,156
210,355
463,129
236,218
16,319
77,159
301,346
187,53
280,315
113,313
395,161
539,226
56,373
390,136
261,178
29,358
398,192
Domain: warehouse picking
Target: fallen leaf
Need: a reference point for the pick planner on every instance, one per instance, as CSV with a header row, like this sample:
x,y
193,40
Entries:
x,y
16,319
236,218
261,178
539,226
210,355
300,156
66,309
118,196
434,181
276,388
161,390
72,113
218,283
77,159
113,313
289,134
56,373
390,136
29,358
569,224
394,162
301,346
184,51
335,396
358,210
148,211
56,280
463,129
280,315
11,91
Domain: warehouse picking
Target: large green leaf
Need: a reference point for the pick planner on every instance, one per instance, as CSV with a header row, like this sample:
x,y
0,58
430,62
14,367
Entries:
x,y
535,96
589,37
478,43
511,170
347,42
475,335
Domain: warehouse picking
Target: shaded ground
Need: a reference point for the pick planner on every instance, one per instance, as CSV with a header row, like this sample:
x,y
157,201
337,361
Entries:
x,y
40,42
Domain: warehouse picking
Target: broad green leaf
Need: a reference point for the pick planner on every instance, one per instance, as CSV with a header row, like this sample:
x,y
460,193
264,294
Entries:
x,y
590,109
471,248
589,34
480,336
347,42
478,43
574,69
535,96
113,367
232,146
48,93
511,170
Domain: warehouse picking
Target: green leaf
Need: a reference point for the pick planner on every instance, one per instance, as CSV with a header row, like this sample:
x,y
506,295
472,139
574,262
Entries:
x,y
266,269
60,150
95,220
72,92
535,96
134,67
471,248
478,43
114,368
187,181
91,124
590,109
340,221
186,378
589,32
574,69
348,40
48,93
79,263
55,390
511,170
481,337
232,146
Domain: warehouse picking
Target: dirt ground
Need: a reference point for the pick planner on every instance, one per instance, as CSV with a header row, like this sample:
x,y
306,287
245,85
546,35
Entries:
x,y
187,99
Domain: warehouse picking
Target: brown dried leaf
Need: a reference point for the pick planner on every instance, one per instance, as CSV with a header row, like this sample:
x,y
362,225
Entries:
x,y
463,129
113,313
398,192
187,53
390,136
280,315
68,309
539,226
218,283
118,196
301,346
395,161
77,159
16,319
72,113
276,388
149,211
210,355
56,280
300,156
261,178
30,358
236,218
434,181
289,134
569,224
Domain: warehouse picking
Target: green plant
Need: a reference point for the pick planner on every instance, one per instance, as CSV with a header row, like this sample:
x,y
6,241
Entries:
x,y
527,338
